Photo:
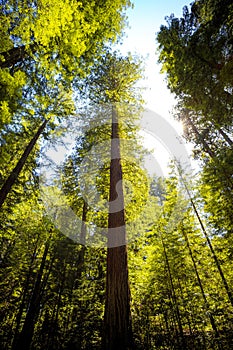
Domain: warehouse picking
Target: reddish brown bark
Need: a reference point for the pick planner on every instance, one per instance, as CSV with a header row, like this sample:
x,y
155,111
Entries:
x,y
117,320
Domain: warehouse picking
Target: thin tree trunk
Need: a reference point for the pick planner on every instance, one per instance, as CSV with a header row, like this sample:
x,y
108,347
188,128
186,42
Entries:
x,y
26,335
17,169
84,226
193,323
168,337
117,318
181,333
200,138
211,318
83,235
52,334
81,255
187,316
226,137
224,281
218,265
208,150
25,292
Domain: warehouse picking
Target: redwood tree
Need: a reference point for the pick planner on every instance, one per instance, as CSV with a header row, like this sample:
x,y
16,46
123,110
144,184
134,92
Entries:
x,y
113,82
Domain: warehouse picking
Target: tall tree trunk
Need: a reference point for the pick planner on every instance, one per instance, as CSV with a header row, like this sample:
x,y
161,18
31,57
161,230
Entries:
x,y
200,138
17,169
210,152
226,137
218,265
211,318
178,317
81,255
83,237
117,318
25,293
83,232
182,291
26,335
53,330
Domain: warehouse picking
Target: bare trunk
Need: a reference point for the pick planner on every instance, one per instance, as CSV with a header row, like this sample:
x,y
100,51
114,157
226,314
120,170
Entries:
x,y
17,169
201,138
218,265
83,233
84,226
226,137
117,319
224,281
26,335
211,318
24,296
208,150
173,293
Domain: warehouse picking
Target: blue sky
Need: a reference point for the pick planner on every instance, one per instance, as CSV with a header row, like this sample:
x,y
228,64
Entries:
x,y
147,16
145,20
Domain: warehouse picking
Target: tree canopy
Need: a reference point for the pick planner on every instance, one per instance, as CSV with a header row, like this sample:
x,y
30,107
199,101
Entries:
x,y
100,255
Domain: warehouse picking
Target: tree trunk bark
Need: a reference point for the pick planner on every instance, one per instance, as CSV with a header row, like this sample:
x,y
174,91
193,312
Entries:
x,y
15,55
17,169
26,335
117,318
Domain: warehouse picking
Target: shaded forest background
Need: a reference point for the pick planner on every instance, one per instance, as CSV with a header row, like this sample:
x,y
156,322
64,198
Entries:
x,y
56,66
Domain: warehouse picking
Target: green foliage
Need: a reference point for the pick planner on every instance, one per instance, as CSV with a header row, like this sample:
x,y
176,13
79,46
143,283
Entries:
x,y
195,52
113,79
196,55
168,303
161,271
178,297
215,189
47,47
